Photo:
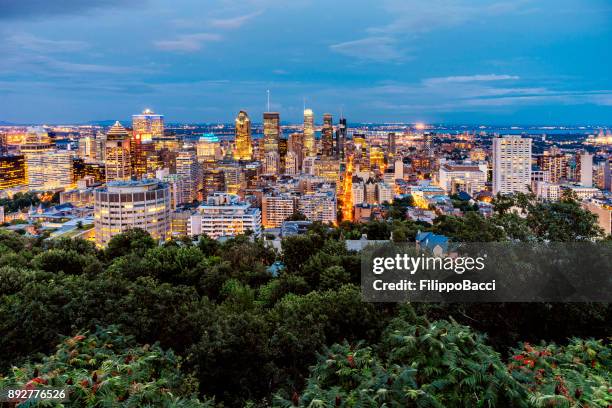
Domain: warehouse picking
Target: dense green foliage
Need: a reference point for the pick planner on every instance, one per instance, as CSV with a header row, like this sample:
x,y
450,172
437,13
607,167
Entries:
x,y
108,369
244,336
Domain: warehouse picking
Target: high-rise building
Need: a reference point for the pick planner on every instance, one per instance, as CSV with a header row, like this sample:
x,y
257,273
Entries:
x,y
12,171
309,133
117,154
141,148
276,209
295,144
272,163
59,171
213,180
511,164
341,138
271,131
35,149
148,125
224,215
291,164
243,140
586,170
282,152
391,144
121,206
327,135
188,170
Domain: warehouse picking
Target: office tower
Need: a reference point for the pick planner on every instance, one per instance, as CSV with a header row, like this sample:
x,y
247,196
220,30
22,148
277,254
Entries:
x,y
188,170
141,148
309,134
35,149
58,170
295,144
327,135
243,140
212,181
12,171
586,170
87,148
291,164
511,164
121,206
391,144
233,177
282,153
82,169
224,215
272,163
470,178
148,125
117,154
271,131
319,206
377,158
208,148
399,169
277,208
341,138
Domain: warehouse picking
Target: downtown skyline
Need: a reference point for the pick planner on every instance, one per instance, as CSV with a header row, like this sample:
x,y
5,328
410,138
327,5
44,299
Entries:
x,y
519,63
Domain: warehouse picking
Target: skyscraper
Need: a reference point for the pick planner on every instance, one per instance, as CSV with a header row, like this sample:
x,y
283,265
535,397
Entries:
x,y
391,144
271,131
586,170
38,144
12,171
117,154
309,134
243,141
327,135
511,164
148,124
340,138
187,169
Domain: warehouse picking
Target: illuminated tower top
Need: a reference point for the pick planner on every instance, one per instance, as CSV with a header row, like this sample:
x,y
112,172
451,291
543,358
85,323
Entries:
x,y
117,132
148,123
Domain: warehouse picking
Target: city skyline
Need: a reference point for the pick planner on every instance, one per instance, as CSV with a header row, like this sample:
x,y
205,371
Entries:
x,y
499,62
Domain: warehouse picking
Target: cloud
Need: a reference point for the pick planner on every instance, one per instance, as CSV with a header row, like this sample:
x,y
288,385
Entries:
x,y
233,22
187,42
469,78
38,44
371,48
24,9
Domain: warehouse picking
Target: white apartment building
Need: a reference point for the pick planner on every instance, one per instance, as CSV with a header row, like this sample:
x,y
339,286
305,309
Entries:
x,y
511,164
467,177
320,206
224,215
276,209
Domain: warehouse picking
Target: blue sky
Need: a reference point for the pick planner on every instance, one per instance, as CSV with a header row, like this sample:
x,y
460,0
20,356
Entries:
x,y
452,61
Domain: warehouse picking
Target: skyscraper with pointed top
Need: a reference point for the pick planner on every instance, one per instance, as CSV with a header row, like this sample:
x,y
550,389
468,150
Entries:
x,y
117,154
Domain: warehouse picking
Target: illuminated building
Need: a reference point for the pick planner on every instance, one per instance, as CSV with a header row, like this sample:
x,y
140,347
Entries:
x,y
276,209
179,223
327,168
38,144
399,169
291,164
212,181
341,138
358,192
377,158
384,193
243,140
12,171
141,148
233,177
121,206
295,144
309,134
556,164
477,155
282,152
327,135
59,169
391,145
272,163
208,148
188,170
82,169
470,178
320,206
117,154
224,215
148,124
511,164
271,131
87,148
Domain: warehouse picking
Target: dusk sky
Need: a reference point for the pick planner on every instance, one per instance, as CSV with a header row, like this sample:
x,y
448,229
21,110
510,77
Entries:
x,y
451,61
